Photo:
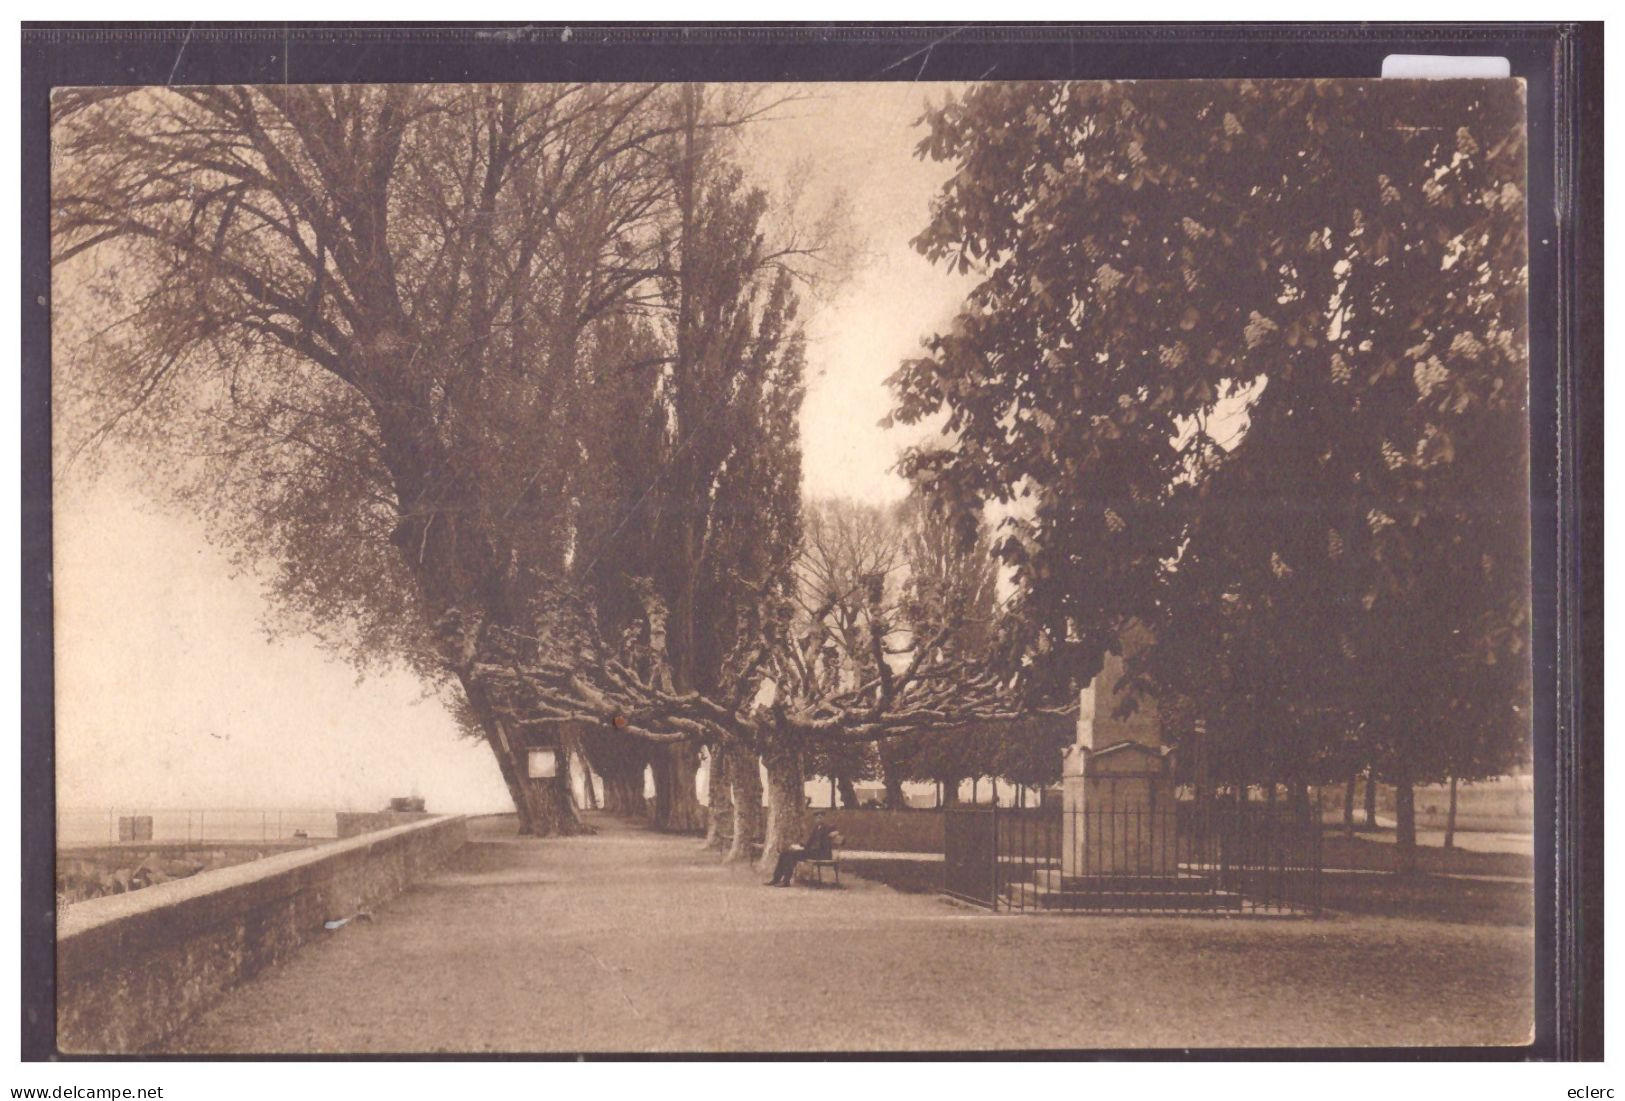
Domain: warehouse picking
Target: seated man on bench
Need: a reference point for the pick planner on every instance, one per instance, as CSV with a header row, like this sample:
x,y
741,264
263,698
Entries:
x,y
819,845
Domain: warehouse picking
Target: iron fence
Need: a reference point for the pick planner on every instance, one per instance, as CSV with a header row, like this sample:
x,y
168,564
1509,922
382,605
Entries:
x,y
1221,858
970,855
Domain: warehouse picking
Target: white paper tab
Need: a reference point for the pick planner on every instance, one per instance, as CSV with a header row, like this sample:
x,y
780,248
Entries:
x,y
1443,67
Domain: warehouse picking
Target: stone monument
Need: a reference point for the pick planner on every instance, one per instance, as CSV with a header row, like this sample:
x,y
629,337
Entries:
x,y
1117,788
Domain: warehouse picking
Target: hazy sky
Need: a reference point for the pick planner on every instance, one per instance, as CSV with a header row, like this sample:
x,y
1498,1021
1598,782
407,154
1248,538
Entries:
x,y
169,694
860,139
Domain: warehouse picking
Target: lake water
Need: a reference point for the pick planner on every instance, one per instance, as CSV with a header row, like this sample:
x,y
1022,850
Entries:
x,y
87,826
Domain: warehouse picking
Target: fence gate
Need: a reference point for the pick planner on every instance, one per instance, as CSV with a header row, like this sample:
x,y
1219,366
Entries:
x,y
970,855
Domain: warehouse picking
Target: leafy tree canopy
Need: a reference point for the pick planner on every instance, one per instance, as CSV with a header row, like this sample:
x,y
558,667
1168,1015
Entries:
x,y
1246,362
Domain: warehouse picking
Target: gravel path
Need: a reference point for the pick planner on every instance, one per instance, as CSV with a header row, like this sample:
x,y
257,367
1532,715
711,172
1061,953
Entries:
x,y
633,941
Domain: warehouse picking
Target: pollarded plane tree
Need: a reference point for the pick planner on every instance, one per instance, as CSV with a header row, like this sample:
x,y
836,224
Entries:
x,y
876,582
846,547
787,688
952,577
369,323
895,645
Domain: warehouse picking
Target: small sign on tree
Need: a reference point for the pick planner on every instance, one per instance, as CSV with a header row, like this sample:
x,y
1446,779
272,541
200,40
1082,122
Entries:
x,y
544,764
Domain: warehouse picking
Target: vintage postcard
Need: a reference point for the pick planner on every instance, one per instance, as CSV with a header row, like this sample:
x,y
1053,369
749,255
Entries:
x,y
698,567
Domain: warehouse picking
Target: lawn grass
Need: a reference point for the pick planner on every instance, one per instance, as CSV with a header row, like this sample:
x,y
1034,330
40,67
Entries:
x,y
1431,898
1338,851
920,831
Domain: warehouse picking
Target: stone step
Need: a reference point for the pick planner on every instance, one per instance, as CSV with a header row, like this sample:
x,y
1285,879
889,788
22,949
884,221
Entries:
x,y
1032,897
1052,879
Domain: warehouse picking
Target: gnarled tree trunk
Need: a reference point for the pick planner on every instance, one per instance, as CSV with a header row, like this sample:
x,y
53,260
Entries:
x,y
892,770
546,808
589,785
623,790
895,798
619,761
577,764
719,802
677,807
745,778
849,793
553,808
786,804
1450,822
1405,817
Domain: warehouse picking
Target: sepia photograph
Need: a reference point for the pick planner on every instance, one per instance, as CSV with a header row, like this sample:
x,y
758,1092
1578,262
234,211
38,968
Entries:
x,y
785,567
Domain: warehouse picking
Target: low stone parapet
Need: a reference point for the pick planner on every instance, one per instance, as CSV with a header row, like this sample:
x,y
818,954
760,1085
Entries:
x,y
133,967
356,823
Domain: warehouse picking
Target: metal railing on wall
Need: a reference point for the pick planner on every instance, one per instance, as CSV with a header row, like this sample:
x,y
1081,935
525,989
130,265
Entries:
x,y
192,825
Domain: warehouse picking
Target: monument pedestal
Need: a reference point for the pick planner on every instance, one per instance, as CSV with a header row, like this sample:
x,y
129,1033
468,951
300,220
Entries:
x,y
1117,803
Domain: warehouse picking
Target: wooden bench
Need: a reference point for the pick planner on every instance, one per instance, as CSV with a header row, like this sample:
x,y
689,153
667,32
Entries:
x,y
832,862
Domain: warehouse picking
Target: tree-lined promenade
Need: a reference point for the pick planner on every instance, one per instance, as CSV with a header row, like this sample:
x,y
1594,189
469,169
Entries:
x,y
650,946
506,381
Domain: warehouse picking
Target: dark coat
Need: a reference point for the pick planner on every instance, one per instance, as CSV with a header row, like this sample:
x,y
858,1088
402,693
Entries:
x,y
820,842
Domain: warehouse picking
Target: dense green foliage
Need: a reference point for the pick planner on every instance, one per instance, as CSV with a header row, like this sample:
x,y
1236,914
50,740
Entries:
x,y
1246,364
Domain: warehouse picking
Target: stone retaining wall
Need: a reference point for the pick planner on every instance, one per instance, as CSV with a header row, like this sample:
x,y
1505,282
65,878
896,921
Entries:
x,y
133,967
356,823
